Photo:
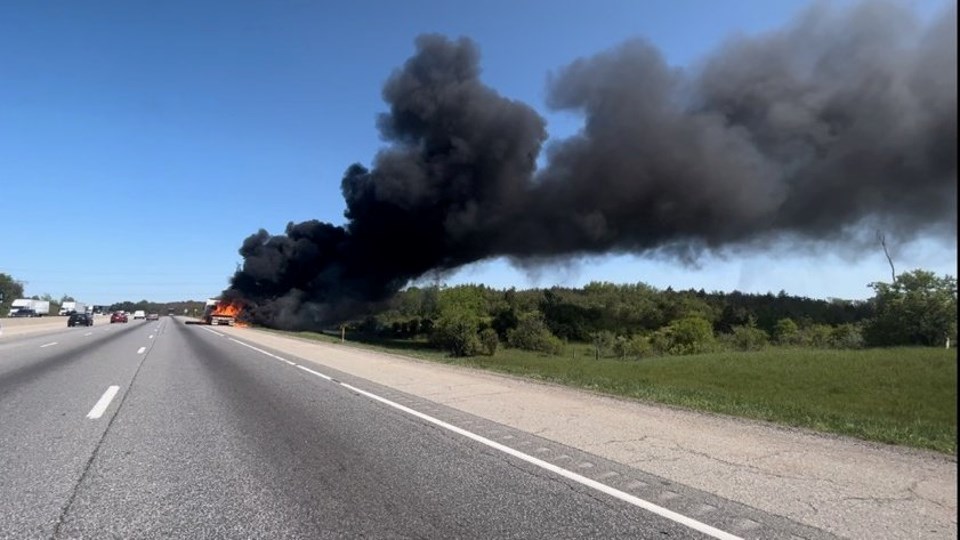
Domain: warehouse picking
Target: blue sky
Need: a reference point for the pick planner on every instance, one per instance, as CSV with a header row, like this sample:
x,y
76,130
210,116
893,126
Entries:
x,y
141,142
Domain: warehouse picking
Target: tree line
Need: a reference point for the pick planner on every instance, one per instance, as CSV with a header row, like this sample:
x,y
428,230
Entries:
x,y
638,320
188,307
11,289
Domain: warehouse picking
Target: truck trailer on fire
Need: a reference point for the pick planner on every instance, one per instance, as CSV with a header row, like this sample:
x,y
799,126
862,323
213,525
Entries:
x,y
219,313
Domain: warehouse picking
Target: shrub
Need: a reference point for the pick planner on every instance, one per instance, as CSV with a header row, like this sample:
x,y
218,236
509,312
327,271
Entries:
x,y
818,335
505,320
636,347
786,332
690,335
532,334
847,336
457,334
604,343
748,338
489,341
620,346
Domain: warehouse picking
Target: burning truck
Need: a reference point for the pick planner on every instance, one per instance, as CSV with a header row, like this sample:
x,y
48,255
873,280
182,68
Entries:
x,y
221,313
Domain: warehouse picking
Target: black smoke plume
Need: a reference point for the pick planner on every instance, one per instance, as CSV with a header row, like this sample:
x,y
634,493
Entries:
x,y
840,121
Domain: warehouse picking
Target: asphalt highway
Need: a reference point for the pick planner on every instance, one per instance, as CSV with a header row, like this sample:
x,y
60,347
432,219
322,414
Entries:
x,y
164,429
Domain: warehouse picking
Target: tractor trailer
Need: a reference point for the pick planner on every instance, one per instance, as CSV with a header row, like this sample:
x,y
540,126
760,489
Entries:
x,y
26,307
69,308
219,313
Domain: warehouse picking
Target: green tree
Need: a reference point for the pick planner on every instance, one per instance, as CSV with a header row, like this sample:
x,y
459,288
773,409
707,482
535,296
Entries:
x,y
682,305
504,320
462,312
918,308
732,316
54,305
10,290
786,332
463,299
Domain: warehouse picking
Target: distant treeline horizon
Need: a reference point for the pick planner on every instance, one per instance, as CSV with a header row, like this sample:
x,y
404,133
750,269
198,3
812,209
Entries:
x,y
625,308
636,320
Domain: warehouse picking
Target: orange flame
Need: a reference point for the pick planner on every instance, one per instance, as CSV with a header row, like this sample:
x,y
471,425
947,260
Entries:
x,y
230,309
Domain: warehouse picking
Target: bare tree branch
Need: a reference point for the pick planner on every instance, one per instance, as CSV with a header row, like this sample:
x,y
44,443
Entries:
x,y
882,238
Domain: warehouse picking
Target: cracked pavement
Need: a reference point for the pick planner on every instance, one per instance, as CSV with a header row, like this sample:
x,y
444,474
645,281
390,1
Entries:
x,y
844,486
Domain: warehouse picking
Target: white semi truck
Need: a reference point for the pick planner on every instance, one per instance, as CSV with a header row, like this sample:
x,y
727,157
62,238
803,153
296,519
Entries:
x,y
69,308
25,307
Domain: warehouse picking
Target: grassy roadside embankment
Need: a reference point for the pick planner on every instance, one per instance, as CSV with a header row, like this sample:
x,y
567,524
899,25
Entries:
x,y
905,396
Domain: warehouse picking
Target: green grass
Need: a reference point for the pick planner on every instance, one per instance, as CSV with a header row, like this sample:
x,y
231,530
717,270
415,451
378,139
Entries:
x,y
905,396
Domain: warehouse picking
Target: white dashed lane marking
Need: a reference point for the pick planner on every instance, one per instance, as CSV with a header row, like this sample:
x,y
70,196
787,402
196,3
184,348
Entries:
x,y
101,406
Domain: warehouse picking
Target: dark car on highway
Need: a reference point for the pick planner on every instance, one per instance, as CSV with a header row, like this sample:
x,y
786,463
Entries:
x,y
80,319
118,316
25,312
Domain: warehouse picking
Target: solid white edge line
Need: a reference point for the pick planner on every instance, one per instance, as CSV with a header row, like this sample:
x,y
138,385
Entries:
x,y
613,492
48,344
583,480
141,349
271,355
321,375
101,406
211,331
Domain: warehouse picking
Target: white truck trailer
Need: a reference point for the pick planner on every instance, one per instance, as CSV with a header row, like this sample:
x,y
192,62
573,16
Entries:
x,y
26,307
69,308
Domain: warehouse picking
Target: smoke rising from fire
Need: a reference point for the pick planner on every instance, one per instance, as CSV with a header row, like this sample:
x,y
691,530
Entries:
x,y
841,119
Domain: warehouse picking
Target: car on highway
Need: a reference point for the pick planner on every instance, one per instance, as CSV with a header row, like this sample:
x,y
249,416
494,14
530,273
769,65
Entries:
x,y
118,317
25,312
80,319
139,314
153,317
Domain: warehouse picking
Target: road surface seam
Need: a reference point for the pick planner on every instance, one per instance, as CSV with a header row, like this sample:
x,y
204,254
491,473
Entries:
x,y
96,450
